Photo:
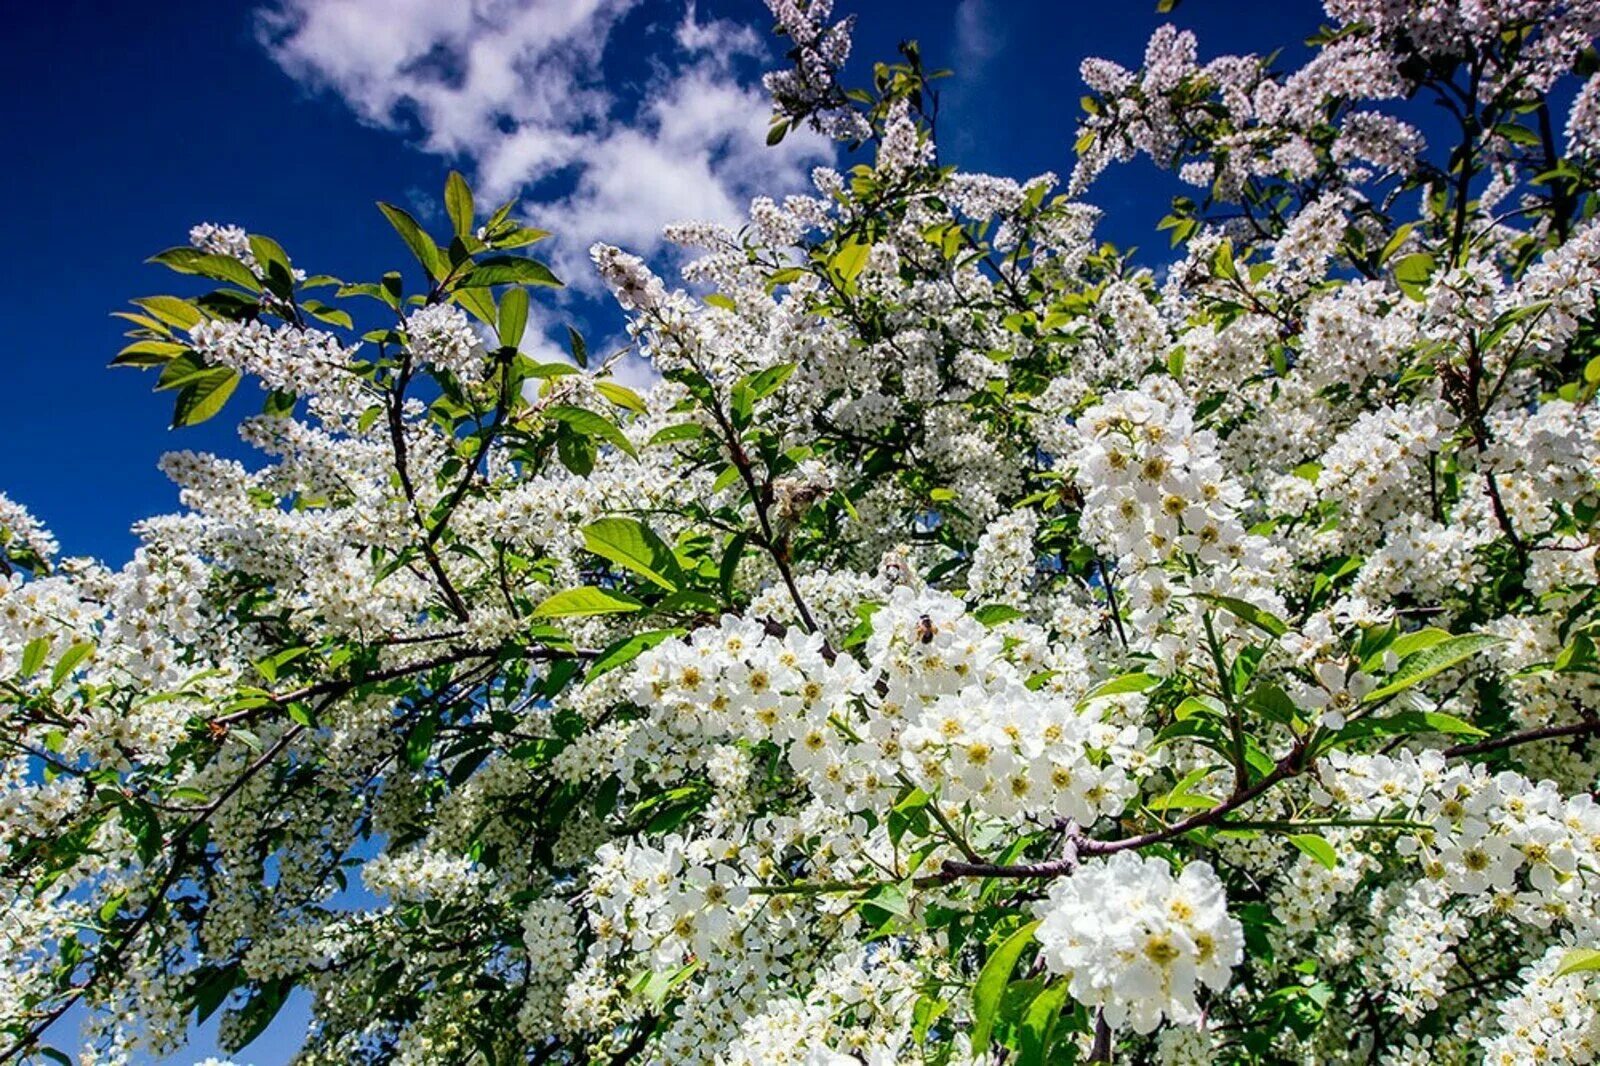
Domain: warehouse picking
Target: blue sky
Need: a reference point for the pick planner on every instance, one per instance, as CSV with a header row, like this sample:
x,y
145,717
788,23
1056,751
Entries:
x,y
131,122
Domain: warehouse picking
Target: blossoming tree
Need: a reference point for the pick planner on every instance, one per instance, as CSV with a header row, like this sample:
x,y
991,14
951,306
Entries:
x,y
975,648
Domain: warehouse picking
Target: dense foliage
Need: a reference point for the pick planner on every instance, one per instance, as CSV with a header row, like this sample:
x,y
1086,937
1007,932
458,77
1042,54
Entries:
x,y
976,648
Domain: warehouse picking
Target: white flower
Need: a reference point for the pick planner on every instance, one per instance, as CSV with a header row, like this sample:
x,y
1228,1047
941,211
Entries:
x,y
1338,693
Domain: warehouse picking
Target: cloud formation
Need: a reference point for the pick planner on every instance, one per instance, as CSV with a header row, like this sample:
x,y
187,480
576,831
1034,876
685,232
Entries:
x,y
525,96
978,37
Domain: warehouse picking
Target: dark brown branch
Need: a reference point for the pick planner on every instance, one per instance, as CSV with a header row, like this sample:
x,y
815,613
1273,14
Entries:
x,y
1101,1050
776,547
395,400
1560,198
1512,740
1290,766
342,685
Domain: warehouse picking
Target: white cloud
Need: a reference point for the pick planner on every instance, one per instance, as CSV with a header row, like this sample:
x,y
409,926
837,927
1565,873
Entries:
x,y
517,92
978,36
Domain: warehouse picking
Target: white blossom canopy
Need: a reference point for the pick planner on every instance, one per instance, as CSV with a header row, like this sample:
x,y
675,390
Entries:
x,y
975,648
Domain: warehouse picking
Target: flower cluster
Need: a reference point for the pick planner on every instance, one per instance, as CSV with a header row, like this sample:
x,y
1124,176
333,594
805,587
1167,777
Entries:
x,y
809,91
24,540
441,336
1136,942
1550,1017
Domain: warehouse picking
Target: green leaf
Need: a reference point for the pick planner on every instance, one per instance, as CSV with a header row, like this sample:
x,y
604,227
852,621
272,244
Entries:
x,y
658,986
1412,273
256,1015
143,321
728,569
1193,705
480,302
688,601
203,396
889,898
844,502
513,316
207,265
1202,729
110,908
1382,642
334,316
33,654
1245,611
1432,660
549,370
1578,960
501,214
69,662
622,396
1274,704
909,814
580,350
681,431
1420,640
1317,847
274,264
387,292
211,986
520,236
509,270
849,261
1398,238
458,203
1577,655
269,666
419,743
624,651
171,310
591,424
1183,794
142,823
633,545
579,602
1135,682
278,404
1039,1024
768,381
1408,722
180,370
990,987
416,239
576,452
1222,260
1175,361
994,614
148,353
